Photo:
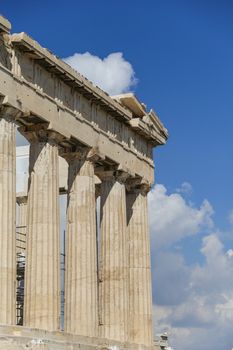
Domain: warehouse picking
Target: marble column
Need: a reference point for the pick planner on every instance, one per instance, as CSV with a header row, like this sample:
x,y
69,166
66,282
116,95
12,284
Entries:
x,y
113,286
7,221
42,280
21,228
81,256
140,293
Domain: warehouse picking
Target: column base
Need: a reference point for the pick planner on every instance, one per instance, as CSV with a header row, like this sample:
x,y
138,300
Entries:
x,y
22,338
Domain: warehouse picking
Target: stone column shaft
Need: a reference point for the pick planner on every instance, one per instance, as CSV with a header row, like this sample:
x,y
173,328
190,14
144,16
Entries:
x,y
113,261
42,289
7,221
81,256
140,293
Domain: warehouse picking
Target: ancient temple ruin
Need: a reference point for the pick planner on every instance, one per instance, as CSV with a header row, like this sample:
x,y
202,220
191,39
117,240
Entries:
x,y
107,143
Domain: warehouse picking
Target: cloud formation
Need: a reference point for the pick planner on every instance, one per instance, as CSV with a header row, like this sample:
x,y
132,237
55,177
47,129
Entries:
x,y
112,74
174,218
185,188
193,303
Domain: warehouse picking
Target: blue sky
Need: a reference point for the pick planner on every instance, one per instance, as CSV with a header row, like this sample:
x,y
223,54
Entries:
x,y
181,53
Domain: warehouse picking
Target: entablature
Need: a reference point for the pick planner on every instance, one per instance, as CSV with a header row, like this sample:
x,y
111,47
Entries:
x,y
146,124
53,64
44,89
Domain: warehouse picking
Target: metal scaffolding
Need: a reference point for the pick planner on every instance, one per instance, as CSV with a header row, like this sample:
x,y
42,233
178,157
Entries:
x,y
20,270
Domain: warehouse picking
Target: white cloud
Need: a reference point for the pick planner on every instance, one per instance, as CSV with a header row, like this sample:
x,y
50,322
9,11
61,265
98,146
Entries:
x,y
113,73
185,188
172,218
201,318
193,303
230,253
170,278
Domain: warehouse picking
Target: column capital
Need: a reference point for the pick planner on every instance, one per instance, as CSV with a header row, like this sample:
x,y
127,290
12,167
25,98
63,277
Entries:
x,y
74,153
81,152
138,185
40,133
112,173
8,110
121,176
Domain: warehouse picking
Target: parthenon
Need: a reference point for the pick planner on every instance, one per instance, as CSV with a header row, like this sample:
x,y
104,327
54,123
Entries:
x,y
107,145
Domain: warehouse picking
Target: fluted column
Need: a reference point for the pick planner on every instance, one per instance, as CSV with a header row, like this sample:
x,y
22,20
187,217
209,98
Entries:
x,y
21,228
7,221
140,293
113,292
42,289
81,256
